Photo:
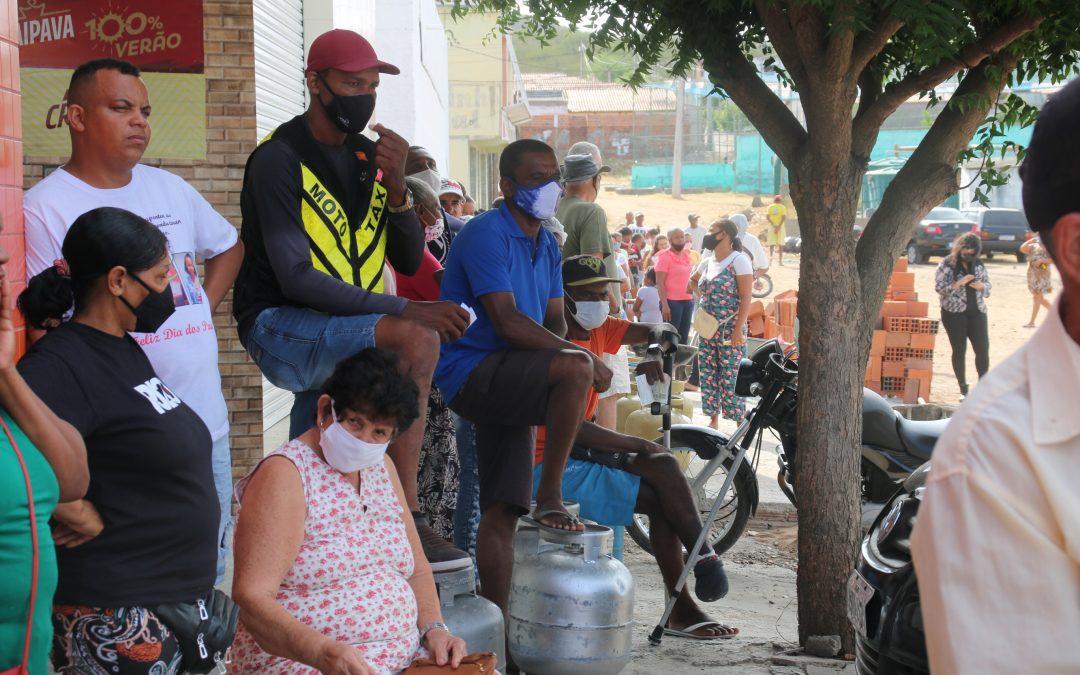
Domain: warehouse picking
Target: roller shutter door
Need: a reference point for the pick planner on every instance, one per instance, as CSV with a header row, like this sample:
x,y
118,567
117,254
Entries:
x,y
279,96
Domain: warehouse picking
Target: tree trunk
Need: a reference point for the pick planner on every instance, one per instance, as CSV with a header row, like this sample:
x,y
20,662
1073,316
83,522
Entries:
x,y
831,340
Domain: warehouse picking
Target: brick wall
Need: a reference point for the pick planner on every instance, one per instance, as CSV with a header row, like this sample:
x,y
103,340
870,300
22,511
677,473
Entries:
x,y
228,36
11,156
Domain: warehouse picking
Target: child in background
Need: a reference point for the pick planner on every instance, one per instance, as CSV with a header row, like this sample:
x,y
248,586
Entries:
x,y
647,305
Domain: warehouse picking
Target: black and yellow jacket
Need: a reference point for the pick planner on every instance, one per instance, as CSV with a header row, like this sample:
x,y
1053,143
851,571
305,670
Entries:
x,y
317,229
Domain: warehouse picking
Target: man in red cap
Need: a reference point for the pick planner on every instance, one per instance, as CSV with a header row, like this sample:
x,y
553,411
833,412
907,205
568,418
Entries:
x,y
323,209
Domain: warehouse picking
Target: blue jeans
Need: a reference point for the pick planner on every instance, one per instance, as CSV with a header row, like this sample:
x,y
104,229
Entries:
x,y
682,314
682,317
297,349
467,513
223,483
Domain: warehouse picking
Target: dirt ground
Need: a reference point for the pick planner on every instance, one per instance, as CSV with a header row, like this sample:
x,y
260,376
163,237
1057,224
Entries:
x,y
761,603
1009,303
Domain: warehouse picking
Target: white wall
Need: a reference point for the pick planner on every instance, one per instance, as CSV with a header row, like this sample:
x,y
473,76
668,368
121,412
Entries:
x,y
410,35
414,104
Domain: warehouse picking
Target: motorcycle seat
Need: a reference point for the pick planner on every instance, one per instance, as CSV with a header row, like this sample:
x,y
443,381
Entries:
x,y
919,438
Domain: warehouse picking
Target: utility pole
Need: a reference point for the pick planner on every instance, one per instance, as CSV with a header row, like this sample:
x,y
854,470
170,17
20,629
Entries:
x,y
676,170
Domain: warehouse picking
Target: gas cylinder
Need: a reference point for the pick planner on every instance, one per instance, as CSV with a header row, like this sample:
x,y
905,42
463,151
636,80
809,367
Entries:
x,y
643,424
571,603
476,620
625,406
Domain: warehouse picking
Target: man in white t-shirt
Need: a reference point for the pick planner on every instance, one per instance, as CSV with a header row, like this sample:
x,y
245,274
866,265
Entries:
x,y
108,111
751,244
695,232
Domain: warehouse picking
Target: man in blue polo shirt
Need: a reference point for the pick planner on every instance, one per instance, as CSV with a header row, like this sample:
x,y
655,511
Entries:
x,y
512,370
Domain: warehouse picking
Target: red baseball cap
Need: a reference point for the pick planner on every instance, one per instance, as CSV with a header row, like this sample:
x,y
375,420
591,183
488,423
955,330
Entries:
x,y
345,50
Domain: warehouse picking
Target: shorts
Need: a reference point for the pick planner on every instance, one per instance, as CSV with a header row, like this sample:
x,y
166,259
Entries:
x,y
121,641
606,495
620,373
297,349
506,397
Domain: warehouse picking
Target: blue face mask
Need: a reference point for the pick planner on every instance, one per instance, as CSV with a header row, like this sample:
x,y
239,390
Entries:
x,y
541,201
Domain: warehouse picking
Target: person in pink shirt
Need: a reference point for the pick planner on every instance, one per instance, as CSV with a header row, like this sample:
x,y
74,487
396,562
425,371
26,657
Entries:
x,y
673,268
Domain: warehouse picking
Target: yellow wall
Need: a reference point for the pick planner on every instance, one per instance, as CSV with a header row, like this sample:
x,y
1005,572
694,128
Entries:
x,y
477,75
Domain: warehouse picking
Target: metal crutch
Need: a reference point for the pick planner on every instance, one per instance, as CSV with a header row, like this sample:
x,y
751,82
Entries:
x,y
694,556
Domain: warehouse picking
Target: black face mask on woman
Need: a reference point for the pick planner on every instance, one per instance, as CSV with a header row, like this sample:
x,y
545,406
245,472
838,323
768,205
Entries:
x,y
153,311
350,114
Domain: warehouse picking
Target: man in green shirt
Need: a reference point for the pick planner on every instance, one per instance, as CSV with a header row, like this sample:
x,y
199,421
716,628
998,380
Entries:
x,y
587,234
584,221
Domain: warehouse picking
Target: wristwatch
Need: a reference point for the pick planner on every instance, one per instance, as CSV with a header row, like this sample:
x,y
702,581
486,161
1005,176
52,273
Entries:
x,y
432,626
406,206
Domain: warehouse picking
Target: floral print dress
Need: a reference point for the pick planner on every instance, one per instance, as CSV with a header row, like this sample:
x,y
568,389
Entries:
x,y
1038,272
719,362
350,580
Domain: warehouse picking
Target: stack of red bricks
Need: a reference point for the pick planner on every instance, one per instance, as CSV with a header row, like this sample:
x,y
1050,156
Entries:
x,y
902,351
777,319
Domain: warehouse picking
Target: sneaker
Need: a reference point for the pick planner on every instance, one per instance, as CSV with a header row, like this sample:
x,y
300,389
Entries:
x,y
441,554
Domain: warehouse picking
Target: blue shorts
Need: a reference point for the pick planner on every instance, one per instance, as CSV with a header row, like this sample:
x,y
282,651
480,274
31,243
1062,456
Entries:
x,y
297,349
606,495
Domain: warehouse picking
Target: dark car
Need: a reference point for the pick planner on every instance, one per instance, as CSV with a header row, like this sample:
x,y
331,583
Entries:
x,y
1002,230
883,593
935,233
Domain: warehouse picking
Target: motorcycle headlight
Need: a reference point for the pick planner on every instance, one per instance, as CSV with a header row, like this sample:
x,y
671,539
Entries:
x,y
893,534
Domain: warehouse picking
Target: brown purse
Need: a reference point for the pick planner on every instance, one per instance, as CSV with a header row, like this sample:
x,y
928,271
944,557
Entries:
x,y
481,662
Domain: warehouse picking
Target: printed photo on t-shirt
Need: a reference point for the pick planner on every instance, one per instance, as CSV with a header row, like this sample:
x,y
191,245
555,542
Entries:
x,y
184,280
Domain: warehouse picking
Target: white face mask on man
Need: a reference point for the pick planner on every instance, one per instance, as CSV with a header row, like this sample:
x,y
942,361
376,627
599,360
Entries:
x,y
345,452
431,177
591,314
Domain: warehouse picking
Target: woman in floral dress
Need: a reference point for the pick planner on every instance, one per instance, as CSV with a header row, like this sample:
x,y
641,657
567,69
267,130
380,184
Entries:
x,y
330,574
724,282
1038,276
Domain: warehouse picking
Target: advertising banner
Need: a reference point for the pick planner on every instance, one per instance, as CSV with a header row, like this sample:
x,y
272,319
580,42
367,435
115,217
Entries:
x,y
164,40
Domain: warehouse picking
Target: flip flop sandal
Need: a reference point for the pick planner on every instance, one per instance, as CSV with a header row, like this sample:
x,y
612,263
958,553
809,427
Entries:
x,y
534,519
688,632
712,581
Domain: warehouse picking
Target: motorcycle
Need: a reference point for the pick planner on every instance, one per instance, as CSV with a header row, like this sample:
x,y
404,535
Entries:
x,y
762,286
892,448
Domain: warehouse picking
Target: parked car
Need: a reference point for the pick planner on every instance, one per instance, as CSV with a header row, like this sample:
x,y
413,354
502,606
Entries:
x,y
1002,230
935,233
883,593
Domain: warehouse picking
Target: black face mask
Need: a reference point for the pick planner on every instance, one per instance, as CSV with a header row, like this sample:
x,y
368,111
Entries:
x,y
678,247
154,311
349,113
708,243
967,258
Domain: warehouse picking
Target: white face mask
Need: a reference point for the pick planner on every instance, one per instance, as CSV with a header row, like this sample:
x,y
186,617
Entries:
x,y
431,177
345,452
591,314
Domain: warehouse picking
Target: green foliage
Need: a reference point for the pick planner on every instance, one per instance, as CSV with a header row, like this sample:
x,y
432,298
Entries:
x,y
561,53
675,34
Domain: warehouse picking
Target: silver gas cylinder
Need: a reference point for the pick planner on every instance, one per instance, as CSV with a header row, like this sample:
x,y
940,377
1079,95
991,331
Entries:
x,y
474,619
571,603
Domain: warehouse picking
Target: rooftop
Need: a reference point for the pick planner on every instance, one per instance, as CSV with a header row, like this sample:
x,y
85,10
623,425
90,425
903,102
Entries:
x,y
581,95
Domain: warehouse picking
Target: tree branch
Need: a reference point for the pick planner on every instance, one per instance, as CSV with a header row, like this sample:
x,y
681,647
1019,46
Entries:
x,y
968,57
838,52
731,71
808,26
869,92
869,44
782,40
926,178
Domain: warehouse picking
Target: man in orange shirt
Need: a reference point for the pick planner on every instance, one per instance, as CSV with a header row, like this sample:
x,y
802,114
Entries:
x,y
613,476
